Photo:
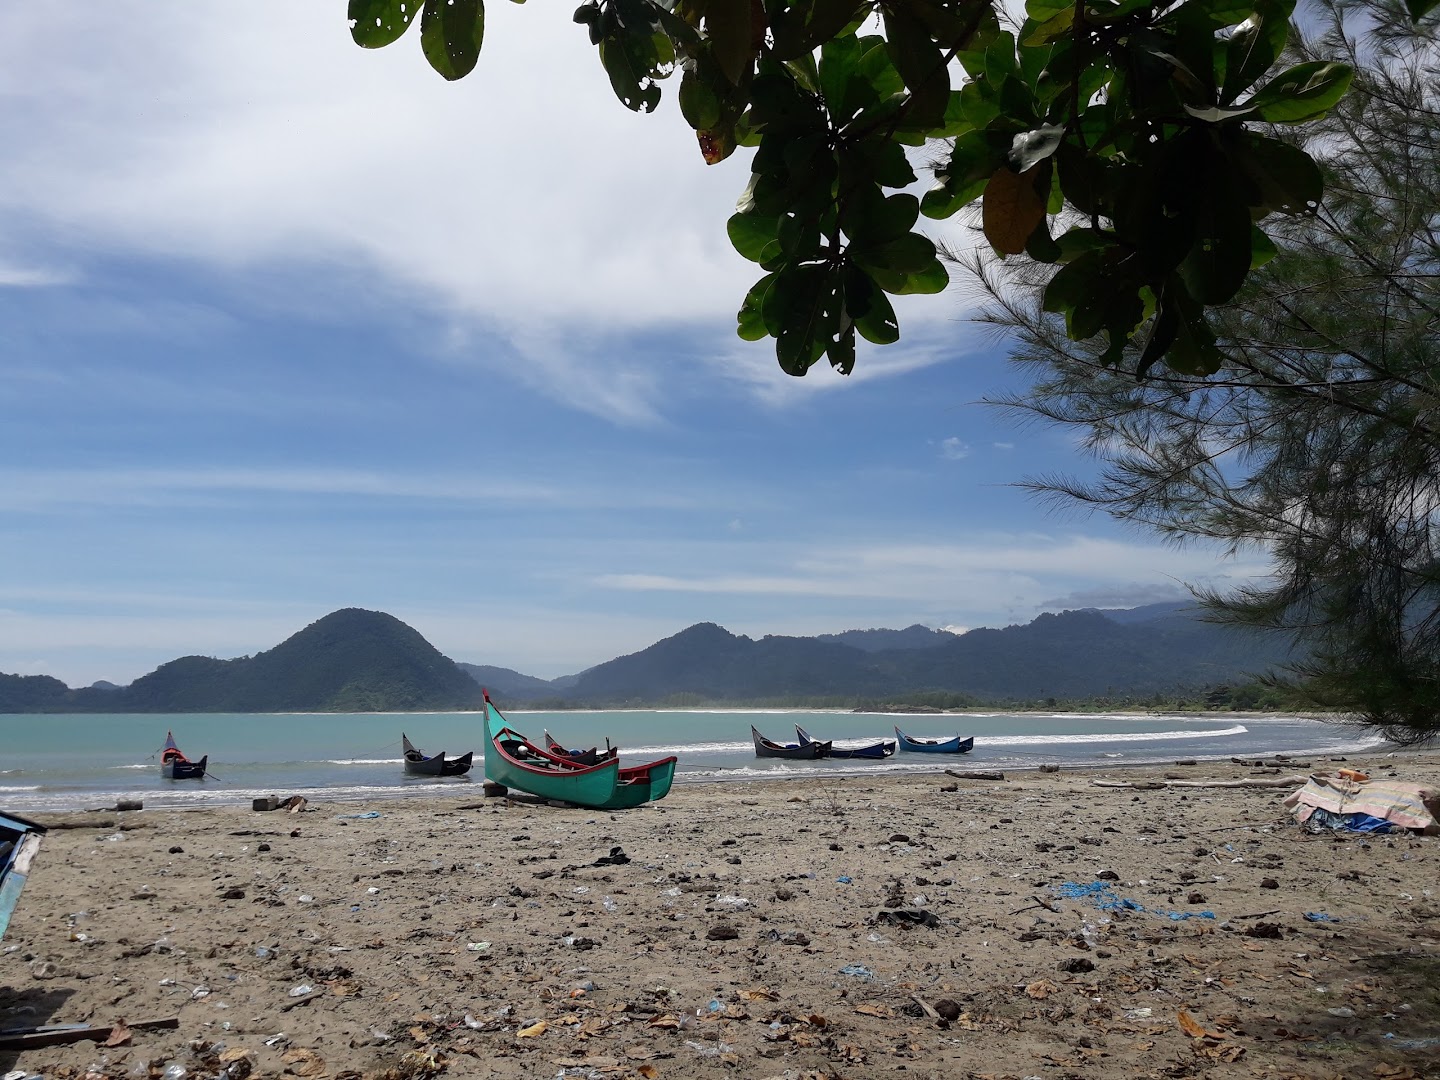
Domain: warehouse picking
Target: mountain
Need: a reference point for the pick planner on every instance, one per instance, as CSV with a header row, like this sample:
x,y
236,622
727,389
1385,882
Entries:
x,y
1074,654
912,637
508,685
367,661
350,661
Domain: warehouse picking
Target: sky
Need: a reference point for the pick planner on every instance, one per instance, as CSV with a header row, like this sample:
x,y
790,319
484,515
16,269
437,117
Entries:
x,y
288,326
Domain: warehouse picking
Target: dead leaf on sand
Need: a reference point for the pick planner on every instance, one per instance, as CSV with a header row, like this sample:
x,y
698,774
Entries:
x,y
303,1062
1040,989
760,993
119,1034
533,1031
1395,1072
874,1010
1194,1028
647,1071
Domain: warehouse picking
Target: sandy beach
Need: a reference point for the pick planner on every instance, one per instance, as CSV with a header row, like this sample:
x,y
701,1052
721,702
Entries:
x,y
857,927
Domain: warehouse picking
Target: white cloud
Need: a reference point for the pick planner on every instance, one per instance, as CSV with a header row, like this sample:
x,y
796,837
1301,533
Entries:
x,y
953,449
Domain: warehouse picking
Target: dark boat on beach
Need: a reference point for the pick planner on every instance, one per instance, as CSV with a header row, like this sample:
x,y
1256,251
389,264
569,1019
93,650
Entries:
x,y
956,745
417,764
802,751
176,766
593,756
874,752
513,761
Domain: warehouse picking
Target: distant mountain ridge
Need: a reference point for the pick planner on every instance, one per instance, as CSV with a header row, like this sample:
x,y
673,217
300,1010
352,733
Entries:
x,y
352,660
367,661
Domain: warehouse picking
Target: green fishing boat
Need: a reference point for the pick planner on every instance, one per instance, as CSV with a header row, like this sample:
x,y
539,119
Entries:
x,y
513,760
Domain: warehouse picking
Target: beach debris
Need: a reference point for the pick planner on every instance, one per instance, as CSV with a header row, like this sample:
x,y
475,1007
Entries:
x,y
857,971
908,917
617,857
58,1034
975,774
1319,916
303,1062
1102,896
722,932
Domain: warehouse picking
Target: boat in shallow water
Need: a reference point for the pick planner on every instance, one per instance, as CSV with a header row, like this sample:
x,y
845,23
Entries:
x,y
956,745
417,763
874,752
514,761
176,766
801,751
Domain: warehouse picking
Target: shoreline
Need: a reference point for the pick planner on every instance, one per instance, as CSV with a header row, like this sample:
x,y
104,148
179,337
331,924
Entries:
x,y
767,929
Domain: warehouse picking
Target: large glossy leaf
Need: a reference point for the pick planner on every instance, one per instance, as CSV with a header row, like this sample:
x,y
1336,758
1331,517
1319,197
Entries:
x,y
451,33
905,255
1303,92
751,316
755,236
1420,8
1255,46
1283,179
1220,256
629,79
921,64
376,23
728,24
1011,209
868,217
869,307
810,300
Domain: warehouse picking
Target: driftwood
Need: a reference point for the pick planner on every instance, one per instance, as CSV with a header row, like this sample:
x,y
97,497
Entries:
x,y
975,774
1250,782
55,1034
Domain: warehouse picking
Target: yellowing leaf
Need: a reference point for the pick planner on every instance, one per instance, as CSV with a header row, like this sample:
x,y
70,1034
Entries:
x,y
533,1031
1011,209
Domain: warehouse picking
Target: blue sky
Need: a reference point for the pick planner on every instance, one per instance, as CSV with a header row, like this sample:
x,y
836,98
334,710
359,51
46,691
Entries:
x,y
288,326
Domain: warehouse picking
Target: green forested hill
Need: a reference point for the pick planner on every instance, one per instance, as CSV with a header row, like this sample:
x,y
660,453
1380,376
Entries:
x,y
361,661
350,661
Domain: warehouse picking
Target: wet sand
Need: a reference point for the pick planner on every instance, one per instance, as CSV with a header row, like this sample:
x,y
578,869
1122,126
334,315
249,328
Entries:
x,y
857,927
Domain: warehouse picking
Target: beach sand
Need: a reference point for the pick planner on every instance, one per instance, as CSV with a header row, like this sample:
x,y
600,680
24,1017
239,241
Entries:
x,y
800,929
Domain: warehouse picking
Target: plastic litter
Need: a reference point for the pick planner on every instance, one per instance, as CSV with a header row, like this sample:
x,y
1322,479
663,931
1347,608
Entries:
x,y
709,1049
368,816
858,971
478,946
302,990
843,879
1319,916
1104,897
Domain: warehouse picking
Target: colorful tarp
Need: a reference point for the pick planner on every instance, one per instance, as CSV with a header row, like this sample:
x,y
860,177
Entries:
x,y
1408,806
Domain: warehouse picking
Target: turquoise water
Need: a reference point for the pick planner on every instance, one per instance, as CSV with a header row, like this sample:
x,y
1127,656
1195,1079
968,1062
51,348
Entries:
x,y
65,762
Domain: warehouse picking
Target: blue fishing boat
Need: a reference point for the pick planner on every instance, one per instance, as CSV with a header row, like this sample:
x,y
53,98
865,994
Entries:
x,y
804,751
956,745
19,841
875,751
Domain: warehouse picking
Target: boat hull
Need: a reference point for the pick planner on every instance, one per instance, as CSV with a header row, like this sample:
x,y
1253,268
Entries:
x,y
183,769
417,763
19,842
911,745
874,752
804,751
593,756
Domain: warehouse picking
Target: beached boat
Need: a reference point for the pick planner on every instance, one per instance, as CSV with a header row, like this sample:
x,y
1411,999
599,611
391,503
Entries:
x,y
956,745
176,766
514,761
19,841
593,756
802,751
875,751
418,764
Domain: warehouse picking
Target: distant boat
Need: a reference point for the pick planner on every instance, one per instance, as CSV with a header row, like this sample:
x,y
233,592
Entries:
x,y
19,841
593,756
176,766
417,764
514,761
956,745
801,751
882,749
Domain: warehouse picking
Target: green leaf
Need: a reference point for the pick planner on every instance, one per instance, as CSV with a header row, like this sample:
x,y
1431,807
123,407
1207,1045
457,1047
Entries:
x,y
1262,248
1219,258
376,23
1303,92
867,304
727,22
699,103
752,235
905,255
809,300
841,353
1043,10
451,32
1283,179
750,318
1254,46
826,18
921,64
631,82
1420,8
929,279
868,217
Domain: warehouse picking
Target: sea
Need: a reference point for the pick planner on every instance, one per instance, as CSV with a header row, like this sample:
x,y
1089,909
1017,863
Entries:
x,y
57,762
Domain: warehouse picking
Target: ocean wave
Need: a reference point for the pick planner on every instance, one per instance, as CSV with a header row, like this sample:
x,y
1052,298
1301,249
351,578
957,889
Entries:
x,y
1107,737
362,761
